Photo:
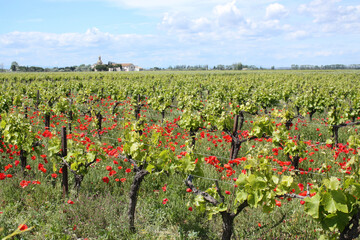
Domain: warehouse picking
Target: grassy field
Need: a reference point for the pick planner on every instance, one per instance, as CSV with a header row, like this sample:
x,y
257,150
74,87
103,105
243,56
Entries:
x,y
164,208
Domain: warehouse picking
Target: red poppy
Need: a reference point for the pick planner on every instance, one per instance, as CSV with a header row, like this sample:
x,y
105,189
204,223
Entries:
x,y
70,202
47,133
24,183
22,227
188,190
2,176
105,179
128,170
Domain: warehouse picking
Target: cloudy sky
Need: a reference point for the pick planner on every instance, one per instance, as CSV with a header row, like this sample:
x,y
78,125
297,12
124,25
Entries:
x,y
161,33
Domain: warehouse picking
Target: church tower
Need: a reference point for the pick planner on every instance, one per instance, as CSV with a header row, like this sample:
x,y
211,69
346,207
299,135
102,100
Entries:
x,y
99,62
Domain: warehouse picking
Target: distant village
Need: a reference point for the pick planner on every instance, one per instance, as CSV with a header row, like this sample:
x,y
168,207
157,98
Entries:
x,y
114,67
99,66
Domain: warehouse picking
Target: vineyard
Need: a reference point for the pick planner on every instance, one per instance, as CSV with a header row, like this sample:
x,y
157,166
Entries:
x,y
173,155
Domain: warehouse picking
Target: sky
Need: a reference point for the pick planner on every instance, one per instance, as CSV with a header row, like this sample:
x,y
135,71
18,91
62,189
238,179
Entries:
x,y
163,33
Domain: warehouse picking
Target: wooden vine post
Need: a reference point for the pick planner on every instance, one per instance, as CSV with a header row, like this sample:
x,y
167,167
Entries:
x,y
236,143
70,118
138,108
37,99
65,182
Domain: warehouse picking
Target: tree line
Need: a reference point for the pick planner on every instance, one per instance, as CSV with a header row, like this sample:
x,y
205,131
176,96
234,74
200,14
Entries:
x,y
15,67
324,67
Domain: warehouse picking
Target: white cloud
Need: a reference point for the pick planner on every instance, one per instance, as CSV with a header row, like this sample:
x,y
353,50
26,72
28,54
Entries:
x,y
228,15
276,11
166,5
323,54
40,48
92,37
227,21
299,34
333,17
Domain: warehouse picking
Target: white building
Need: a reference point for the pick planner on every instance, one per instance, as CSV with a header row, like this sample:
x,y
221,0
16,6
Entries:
x,y
117,67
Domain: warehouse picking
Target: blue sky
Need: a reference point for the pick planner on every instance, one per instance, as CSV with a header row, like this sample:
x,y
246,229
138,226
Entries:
x,y
164,32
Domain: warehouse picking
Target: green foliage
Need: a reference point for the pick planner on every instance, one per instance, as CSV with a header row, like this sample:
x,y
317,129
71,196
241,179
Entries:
x,y
18,132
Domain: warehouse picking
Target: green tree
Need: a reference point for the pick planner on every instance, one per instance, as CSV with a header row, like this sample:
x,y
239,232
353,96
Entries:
x,y
237,66
14,66
102,68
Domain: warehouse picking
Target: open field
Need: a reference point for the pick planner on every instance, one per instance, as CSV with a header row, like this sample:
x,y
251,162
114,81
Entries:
x,y
180,155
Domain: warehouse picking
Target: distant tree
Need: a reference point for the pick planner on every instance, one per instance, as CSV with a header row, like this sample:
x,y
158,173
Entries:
x,y
118,66
14,66
294,67
83,68
220,67
272,67
237,66
102,68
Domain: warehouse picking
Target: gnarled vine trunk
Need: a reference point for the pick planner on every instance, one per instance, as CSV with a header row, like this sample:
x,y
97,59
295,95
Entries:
x,y
352,230
134,190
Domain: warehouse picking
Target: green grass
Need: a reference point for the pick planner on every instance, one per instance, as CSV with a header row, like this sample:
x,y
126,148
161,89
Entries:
x,y
100,210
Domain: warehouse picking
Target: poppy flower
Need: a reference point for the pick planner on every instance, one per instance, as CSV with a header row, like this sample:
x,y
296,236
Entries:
x,y
47,133
24,183
22,227
2,176
70,202
105,179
